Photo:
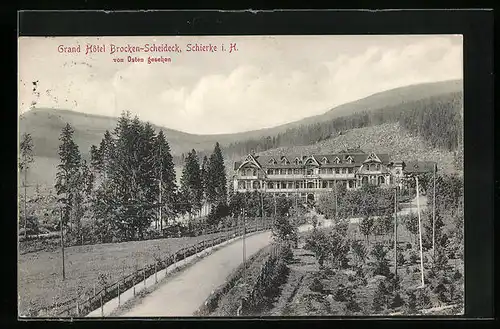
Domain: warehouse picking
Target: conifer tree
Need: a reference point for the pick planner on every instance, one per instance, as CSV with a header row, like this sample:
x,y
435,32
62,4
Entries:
x,y
191,185
216,177
25,160
67,177
95,159
103,198
204,178
105,155
165,173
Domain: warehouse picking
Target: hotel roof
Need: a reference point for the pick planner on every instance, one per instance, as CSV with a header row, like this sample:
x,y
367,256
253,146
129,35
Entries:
x,y
323,160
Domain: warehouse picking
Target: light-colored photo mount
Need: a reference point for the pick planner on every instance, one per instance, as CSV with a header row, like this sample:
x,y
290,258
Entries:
x,y
240,176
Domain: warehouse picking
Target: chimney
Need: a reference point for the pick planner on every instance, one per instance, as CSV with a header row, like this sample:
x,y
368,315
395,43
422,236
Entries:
x,y
252,152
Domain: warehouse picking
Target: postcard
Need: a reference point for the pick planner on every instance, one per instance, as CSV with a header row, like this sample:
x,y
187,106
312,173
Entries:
x,y
229,176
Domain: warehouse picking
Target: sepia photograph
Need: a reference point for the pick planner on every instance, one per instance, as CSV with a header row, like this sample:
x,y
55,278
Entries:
x,y
240,176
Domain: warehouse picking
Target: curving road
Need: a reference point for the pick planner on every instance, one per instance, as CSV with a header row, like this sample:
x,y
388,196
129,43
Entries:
x,y
183,294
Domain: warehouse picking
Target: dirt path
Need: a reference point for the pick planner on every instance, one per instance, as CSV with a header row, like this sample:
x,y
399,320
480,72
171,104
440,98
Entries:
x,y
184,294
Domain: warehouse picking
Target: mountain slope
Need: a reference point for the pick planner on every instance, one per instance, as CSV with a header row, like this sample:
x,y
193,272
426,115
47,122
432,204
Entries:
x,y
388,138
380,100
45,124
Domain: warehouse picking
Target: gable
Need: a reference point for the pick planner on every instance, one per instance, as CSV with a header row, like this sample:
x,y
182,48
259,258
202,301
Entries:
x,y
311,161
249,160
284,160
372,157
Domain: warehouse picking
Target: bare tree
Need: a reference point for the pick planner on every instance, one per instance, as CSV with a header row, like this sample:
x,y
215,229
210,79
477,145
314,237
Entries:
x,y
25,159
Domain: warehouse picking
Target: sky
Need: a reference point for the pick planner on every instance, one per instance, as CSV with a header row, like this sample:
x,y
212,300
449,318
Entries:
x,y
267,81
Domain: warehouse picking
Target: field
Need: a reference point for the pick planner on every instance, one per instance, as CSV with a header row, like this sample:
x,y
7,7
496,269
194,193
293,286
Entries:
x,y
40,273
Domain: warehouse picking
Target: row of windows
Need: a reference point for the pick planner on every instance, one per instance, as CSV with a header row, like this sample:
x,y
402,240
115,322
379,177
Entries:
x,y
294,185
349,170
297,161
329,171
289,171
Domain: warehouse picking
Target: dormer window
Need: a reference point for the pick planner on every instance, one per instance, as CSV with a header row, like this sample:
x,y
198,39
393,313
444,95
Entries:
x,y
297,161
285,161
337,160
273,161
324,160
349,159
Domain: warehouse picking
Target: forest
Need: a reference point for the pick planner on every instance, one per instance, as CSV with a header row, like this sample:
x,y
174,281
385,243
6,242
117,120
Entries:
x,y
125,192
438,120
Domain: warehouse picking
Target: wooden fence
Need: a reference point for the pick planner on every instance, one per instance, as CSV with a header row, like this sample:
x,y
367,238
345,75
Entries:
x,y
77,307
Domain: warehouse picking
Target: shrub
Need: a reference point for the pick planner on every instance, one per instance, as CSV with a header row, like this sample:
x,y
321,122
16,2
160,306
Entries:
x,y
283,230
316,285
359,251
352,305
441,261
380,297
457,275
318,243
287,254
413,257
381,263
339,247
394,283
217,213
397,301
423,299
401,259
366,226
342,226
411,305
343,294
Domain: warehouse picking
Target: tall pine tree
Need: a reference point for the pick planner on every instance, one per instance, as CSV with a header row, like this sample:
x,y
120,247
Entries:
x,y
166,174
191,184
216,178
67,177
204,180
25,160
104,155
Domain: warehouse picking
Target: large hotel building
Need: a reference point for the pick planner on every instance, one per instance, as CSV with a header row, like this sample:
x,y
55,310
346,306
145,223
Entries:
x,y
308,176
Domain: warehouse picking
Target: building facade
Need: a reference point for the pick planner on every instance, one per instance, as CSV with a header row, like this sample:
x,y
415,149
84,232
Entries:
x,y
308,176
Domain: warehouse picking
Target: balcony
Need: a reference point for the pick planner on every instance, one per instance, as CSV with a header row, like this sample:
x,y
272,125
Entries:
x,y
337,176
279,177
287,190
247,177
